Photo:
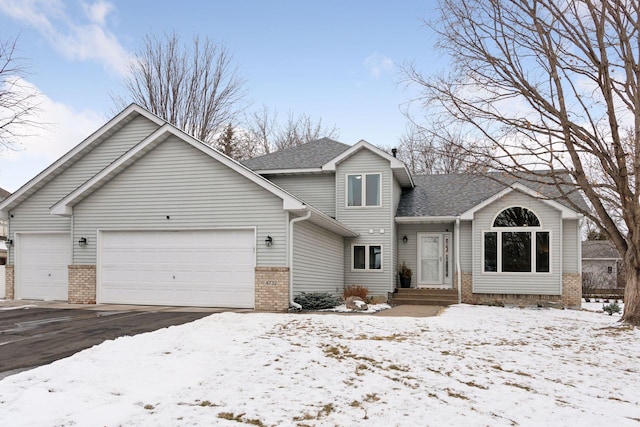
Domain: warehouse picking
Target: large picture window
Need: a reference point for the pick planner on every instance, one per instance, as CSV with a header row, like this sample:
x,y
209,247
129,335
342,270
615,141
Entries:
x,y
363,189
367,257
518,245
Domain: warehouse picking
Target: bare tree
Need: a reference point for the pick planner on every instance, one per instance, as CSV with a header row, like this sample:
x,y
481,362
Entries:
x,y
236,143
554,85
268,135
17,99
195,87
429,152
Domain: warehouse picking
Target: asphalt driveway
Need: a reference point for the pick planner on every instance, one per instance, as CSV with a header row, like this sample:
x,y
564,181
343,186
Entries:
x,y
34,335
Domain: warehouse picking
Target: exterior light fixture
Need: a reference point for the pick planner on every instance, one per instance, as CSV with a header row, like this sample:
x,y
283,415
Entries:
x,y
82,241
268,241
405,239
9,242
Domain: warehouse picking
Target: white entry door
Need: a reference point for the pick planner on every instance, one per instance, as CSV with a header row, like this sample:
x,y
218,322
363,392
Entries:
x,y
42,266
435,260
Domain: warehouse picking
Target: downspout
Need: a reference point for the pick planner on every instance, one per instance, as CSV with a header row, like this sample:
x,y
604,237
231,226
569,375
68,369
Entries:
x,y
458,272
291,223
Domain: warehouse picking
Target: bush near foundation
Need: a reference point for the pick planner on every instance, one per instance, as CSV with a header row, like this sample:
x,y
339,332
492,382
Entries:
x,y
317,300
355,291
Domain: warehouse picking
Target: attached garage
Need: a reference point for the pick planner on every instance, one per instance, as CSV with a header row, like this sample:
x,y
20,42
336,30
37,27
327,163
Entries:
x,y
42,263
212,268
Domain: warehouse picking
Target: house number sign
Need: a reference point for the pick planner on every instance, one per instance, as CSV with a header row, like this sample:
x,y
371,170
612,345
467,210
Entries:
x,y
271,282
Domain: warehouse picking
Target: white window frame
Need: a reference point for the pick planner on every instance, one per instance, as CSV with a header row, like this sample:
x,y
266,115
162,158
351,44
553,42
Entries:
x,y
363,190
533,230
366,257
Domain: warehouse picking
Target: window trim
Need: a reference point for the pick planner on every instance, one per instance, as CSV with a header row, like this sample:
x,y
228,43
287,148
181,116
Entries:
x,y
526,227
533,230
363,190
366,258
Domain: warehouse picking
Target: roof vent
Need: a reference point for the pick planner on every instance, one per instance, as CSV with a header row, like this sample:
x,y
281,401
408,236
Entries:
x,y
394,151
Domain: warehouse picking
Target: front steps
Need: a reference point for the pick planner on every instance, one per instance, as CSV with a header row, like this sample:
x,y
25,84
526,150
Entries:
x,y
413,296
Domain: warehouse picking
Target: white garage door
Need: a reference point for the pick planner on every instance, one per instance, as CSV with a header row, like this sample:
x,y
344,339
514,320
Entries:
x,y
190,268
42,266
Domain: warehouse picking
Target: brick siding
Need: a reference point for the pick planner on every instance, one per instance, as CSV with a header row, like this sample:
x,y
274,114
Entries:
x,y
9,281
571,294
272,288
572,290
82,284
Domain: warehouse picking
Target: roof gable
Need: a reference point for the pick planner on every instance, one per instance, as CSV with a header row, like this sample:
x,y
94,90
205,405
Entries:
x,y
73,155
398,167
65,206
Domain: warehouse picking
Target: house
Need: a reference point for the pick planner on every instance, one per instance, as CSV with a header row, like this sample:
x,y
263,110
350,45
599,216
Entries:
x,y
3,247
142,213
600,264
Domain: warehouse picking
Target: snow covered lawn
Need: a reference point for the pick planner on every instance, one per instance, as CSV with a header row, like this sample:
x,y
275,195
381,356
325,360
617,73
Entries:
x,y
470,366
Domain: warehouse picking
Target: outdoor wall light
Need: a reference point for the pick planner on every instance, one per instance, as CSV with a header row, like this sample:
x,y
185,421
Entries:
x,y
268,241
405,239
9,242
82,241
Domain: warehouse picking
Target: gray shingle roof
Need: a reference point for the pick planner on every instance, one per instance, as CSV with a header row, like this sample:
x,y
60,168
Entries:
x,y
599,249
310,155
453,194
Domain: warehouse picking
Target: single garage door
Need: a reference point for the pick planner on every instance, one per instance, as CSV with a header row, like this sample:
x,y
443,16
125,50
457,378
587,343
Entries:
x,y
42,266
213,268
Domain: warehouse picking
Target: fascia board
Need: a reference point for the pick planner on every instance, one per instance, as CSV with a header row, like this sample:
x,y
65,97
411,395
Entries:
x,y
90,140
63,207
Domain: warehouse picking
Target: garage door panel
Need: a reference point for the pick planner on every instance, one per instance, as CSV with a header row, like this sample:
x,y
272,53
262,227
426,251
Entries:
x,y
42,263
197,268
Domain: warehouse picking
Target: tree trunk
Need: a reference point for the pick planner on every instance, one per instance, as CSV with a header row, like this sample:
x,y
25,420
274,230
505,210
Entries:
x,y
631,313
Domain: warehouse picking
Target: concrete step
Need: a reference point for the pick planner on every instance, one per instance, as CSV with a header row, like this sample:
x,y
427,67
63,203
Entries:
x,y
415,296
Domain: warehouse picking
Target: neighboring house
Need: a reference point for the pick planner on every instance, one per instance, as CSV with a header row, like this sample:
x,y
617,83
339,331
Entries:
x,y
3,247
600,264
142,213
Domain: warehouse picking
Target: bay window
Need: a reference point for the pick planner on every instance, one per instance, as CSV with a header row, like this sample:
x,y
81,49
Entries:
x,y
516,243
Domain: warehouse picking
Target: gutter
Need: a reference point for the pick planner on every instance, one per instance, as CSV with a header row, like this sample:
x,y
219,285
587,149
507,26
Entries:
x,y
458,272
291,223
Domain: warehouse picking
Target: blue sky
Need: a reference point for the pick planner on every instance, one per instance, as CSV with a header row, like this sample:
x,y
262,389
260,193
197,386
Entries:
x,y
333,60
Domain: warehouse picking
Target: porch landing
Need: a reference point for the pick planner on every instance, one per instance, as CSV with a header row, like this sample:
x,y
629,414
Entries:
x,y
413,296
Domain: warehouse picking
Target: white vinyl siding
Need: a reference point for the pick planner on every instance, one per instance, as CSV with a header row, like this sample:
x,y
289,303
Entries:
x,y
317,260
318,190
34,215
518,283
466,247
177,187
570,242
368,222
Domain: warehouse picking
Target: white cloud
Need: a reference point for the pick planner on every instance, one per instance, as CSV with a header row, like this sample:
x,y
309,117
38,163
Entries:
x,y
98,11
62,129
90,40
378,64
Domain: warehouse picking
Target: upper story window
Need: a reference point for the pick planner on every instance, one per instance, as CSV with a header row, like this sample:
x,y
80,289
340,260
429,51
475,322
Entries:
x,y
514,248
363,189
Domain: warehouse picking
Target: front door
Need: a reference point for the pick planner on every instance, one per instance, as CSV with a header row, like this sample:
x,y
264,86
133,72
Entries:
x,y
435,260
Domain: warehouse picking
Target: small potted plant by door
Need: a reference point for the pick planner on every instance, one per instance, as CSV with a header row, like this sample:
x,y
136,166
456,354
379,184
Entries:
x,y
404,272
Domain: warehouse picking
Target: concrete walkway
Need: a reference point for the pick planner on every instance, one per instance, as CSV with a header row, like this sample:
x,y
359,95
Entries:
x,y
412,311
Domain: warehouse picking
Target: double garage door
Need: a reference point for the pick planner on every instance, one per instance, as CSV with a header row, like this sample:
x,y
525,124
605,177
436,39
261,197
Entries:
x,y
191,268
